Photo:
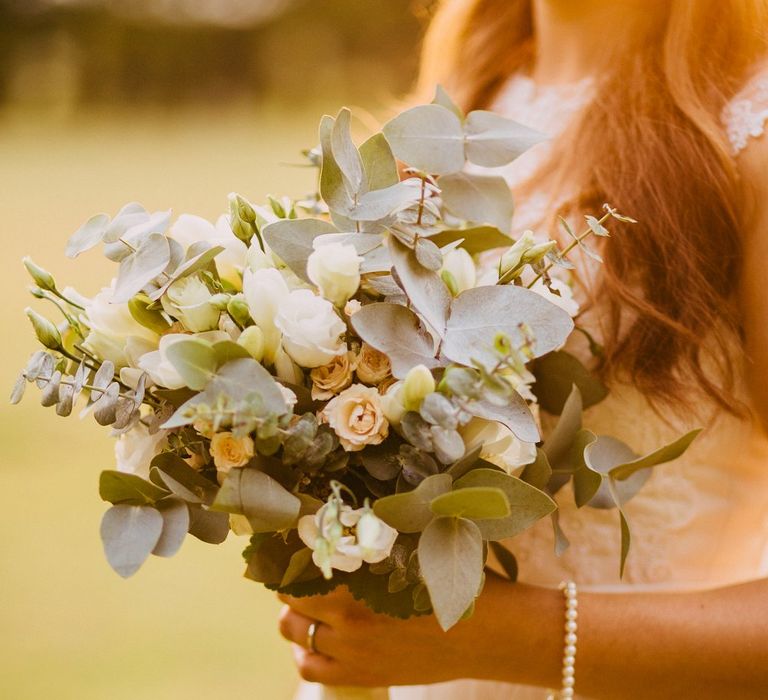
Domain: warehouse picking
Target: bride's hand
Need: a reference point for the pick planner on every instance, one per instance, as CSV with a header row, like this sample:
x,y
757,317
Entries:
x,y
358,647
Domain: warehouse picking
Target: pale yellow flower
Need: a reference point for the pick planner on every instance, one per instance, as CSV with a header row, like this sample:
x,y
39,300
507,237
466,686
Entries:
x,y
357,417
229,451
373,366
328,380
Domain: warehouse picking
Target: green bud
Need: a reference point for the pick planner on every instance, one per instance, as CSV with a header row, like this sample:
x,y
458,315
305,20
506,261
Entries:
x,y
152,319
418,383
242,218
237,308
42,278
252,339
220,301
537,252
512,262
45,331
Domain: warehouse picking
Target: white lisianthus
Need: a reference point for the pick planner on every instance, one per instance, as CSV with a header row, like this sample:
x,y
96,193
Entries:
x,y
565,299
369,540
135,449
189,229
335,269
311,329
189,300
357,417
264,291
110,326
459,270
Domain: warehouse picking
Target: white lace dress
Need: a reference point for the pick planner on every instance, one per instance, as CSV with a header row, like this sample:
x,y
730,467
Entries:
x,y
699,522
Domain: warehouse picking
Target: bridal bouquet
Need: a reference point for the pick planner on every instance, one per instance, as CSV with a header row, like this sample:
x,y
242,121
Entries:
x,y
337,378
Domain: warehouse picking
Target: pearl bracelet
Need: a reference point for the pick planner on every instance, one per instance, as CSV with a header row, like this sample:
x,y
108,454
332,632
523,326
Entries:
x,y
569,652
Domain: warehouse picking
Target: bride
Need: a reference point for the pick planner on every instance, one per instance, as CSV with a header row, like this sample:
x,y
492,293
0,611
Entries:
x,y
657,107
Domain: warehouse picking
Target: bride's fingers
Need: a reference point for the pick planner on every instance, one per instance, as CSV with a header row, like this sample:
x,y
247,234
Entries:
x,y
295,628
317,668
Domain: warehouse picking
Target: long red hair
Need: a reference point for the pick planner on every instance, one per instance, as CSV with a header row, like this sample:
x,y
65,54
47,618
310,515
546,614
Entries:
x,y
651,144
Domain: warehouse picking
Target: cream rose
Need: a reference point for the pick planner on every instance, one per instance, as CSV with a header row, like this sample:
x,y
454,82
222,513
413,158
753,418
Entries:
x,y
311,329
135,449
229,451
335,269
357,417
328,380
373,366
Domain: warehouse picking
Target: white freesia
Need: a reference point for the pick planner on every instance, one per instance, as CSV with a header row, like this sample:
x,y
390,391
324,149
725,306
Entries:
x,y
369,539
335,269
135,449
156,363
311,329
189,229
286,369
257,259
264,290
392,403
110,326
189,300
460,269
564,300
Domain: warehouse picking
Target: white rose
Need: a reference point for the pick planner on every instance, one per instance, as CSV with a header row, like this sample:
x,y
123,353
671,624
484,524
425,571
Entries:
x,y
311,329
460,270
189,229
357,417
499,445
110,326
335,269
135,449
189,301
368,538
264,290
565,300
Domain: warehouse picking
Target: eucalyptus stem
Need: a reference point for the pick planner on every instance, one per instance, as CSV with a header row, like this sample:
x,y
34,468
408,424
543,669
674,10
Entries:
x,y
65,299
71,320
577,241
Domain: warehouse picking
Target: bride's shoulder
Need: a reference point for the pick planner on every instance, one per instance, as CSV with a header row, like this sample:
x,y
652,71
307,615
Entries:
x,y
745,116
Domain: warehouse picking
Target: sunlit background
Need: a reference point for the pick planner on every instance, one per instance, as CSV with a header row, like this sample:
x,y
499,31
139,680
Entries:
x,y
171,103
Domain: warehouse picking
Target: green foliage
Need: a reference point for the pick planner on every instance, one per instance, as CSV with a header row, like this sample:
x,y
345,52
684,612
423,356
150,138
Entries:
x,y
129,534
195,361
291,240
474,502
123,488
482,199
556,373
411,511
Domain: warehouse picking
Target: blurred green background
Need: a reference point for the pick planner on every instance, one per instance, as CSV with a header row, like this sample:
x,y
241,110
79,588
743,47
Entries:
x,y
172,103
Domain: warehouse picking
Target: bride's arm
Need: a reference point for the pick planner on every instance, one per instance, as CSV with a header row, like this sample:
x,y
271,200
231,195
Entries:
x,y
705,645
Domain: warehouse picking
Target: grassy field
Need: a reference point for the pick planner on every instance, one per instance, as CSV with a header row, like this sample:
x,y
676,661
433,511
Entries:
x,y
190,627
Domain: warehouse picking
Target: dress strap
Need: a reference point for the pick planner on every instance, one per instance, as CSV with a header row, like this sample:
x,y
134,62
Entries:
x,y
744,117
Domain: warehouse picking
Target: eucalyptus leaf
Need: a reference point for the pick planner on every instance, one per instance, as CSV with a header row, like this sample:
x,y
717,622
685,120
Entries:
x,y
379,163
428,254
493,140
514,414
410,511
18,389
425,289
667,453
442,98
429,138
122,487
194,359
474,240
332,186
50,394
207,525
105,407
250,492
199,257
227,350
527,504
397,332
478,315
182,480
451,560
152,319
66,400
87,236
482,199
476,502
506,560
346,154
298,563
556,373
558,444
142,266
175,516
291,240
586,481
380,204
539,472
129,534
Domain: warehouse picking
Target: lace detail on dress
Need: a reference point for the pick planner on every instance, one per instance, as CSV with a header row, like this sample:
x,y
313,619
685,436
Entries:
x,y
745,115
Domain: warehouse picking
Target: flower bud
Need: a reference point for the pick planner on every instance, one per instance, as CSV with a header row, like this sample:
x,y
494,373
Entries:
x,y
220,301
45,331
242,217
458,271
418,383
237,308
42,278
512,260
252,339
